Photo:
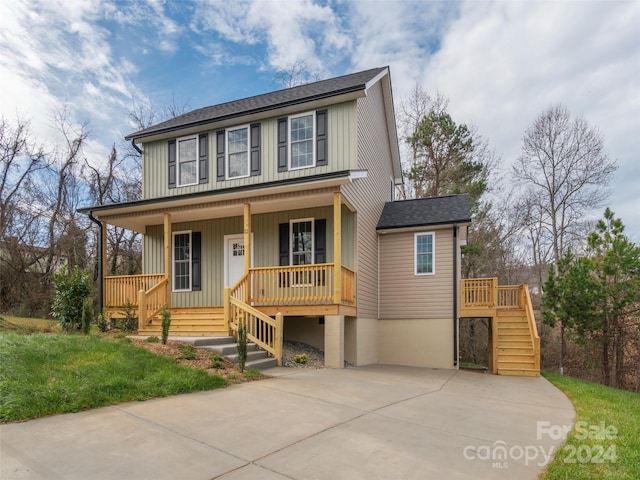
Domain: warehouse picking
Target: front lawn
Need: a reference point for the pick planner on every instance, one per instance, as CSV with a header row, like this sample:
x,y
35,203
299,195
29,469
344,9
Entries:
x,y
48,374
605,441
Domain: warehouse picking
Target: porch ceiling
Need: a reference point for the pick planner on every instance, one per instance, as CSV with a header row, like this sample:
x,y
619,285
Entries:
x,y
138,215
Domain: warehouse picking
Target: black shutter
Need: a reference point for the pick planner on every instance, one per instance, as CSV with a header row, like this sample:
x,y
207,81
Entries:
x,y
321,138
172,164
321,241
220,155
255,149
196,261
283,125
284,253
203,153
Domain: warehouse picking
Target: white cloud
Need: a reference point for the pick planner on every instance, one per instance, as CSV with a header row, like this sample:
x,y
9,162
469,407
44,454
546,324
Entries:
x,y
291,31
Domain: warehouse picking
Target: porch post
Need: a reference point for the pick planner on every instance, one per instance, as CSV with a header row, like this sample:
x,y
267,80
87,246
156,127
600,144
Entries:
x,y
105,263
337,247
247,237
167,256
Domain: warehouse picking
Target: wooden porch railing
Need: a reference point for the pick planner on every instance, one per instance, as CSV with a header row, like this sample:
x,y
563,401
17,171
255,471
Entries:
x,y
299,284
262,330
479,292
150,302
120,290
533,328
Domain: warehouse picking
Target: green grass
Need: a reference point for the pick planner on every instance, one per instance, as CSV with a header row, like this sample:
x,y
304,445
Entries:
x,y
48,374
580,457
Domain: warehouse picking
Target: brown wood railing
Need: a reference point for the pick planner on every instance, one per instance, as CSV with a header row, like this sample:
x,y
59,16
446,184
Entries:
x,y
299,285
264,331
150,302
509,296
479,292
120,290
533,328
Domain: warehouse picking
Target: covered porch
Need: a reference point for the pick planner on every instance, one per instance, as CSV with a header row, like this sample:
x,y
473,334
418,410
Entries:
x,y
263,294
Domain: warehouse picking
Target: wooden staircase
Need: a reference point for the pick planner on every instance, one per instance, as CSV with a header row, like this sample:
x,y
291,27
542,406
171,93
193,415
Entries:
x,y
190,322
514,347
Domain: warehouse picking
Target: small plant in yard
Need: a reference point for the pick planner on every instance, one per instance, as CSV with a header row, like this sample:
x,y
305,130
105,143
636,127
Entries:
x,y
252,373
242,346
216,361
188,351
87,315
152,339
103,323
300,358
130,321
166,323
70,291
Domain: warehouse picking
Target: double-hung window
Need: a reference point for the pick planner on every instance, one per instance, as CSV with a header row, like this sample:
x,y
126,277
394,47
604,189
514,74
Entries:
x,y
238,152
302,243
301,133
187,160
182,261
424,253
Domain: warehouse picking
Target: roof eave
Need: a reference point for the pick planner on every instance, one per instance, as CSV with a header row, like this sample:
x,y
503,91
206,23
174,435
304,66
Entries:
x,y
418,226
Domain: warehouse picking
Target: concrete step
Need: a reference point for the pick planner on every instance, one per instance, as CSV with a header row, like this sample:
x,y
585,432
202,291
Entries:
x,y
254,355
226,349
262,364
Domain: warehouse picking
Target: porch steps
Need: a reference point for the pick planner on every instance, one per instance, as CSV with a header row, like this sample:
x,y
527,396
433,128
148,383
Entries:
x,y
515,348
191,322
228,347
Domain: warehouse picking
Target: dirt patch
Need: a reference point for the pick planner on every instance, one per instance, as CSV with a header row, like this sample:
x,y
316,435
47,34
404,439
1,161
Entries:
x,y
203,360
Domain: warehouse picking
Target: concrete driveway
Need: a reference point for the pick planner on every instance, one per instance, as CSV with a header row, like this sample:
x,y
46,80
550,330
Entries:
x,y
375,422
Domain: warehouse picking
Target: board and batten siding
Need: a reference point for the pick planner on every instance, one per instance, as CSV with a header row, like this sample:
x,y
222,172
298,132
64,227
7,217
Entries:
x,y
341,134
369,195
404,295
265,247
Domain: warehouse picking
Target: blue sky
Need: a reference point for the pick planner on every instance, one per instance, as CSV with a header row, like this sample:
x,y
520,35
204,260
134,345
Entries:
x,y
500,63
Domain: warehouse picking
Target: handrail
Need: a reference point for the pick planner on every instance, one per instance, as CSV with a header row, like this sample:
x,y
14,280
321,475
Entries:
x,y
262,330
533,328
152,300
122,289
509,296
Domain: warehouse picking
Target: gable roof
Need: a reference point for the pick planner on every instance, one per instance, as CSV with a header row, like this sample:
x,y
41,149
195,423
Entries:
x,y
422,212
282,98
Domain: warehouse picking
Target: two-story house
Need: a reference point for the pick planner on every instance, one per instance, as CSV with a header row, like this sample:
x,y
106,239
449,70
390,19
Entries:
x,y
277,211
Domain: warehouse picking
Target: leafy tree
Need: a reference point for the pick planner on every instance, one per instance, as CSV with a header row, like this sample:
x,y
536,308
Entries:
x,y
597,296
71,289
450,158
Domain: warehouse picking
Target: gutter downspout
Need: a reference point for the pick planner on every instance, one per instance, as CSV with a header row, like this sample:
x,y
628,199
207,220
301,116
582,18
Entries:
x,y
133,142
100,277
455,294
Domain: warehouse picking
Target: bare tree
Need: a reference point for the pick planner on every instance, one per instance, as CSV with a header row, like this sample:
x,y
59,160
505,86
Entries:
x,y
564,173
294,74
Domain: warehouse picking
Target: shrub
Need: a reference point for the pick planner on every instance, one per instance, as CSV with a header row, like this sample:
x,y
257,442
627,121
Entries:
x,y
301,358
216,361
87,315
152,339
188,351
166,323
70,292
130,321
103,322
242,346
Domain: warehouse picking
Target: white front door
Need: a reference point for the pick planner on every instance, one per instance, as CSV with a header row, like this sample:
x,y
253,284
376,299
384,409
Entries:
x,y
233,259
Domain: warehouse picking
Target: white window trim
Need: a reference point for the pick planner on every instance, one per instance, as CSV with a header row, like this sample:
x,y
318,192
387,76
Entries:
x,y
415,253
226,150
313,139
313,237
173,260
178,178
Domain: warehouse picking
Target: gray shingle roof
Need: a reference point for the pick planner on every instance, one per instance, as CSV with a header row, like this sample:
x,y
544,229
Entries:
x,y
268,101
425,211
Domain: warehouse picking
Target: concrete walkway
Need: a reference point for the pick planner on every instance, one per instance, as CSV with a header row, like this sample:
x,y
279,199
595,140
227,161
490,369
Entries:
x,y
375,422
